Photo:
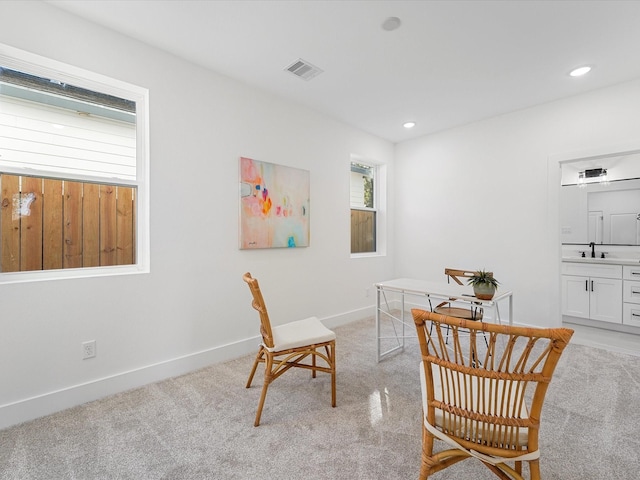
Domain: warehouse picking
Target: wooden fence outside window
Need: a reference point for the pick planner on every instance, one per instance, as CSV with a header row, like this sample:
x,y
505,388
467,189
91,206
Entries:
x,y
50,224
363,231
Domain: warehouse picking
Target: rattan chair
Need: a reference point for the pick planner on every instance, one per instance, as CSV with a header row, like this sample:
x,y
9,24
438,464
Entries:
x,y
474,312
289,345
488,410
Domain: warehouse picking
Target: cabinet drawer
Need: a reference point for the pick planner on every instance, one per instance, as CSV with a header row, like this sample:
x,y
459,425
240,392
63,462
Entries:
x,y
630,272
631,314
631,291
592,269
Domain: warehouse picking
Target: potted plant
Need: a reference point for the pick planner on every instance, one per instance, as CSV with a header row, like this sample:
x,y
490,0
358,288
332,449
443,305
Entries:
x,y
484,285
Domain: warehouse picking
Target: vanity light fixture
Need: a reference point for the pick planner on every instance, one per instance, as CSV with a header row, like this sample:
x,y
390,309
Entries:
x,y
593,175
580,71
603,177
409,124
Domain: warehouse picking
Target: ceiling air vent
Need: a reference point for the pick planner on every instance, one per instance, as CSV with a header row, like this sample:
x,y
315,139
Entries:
x,y
303,69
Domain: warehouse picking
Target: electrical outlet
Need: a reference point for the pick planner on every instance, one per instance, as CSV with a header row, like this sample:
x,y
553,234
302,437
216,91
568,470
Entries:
x,y
88,349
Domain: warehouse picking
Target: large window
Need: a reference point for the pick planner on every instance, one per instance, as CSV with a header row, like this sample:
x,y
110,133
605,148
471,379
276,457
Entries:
x,y
73,171
363,192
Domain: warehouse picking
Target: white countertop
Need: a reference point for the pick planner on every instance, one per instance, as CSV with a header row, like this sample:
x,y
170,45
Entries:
x,y
608,260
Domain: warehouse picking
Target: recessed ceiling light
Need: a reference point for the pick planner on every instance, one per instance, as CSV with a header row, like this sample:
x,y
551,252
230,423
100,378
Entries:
x,y
409,124
391,23
578,72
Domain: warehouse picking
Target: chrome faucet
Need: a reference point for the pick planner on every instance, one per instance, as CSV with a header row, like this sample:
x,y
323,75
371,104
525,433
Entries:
x,y
593,249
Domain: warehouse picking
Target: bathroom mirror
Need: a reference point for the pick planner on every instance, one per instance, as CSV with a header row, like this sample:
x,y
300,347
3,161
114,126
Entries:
x,y
598,208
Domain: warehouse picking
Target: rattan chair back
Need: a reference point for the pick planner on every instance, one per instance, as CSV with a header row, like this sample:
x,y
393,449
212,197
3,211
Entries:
x,y
259,305
484,399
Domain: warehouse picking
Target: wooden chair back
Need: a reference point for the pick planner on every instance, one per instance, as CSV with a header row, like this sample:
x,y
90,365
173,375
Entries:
x,y
259,305
474,312
458,275
487,397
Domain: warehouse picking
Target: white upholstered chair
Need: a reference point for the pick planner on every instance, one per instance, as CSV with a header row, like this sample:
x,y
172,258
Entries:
x,y
291,345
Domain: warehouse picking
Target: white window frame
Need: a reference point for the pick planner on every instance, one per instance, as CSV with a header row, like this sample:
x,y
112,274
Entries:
x,y
37,65
379,205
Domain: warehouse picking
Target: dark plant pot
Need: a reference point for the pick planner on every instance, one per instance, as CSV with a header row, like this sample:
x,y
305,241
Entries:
x,y
484,291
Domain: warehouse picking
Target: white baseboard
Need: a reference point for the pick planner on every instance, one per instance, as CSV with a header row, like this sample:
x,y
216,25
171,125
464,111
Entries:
x,y
50,402
348,317
55,401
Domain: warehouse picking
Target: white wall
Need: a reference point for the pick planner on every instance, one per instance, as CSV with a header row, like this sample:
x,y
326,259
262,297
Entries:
x,y
485,195
193,308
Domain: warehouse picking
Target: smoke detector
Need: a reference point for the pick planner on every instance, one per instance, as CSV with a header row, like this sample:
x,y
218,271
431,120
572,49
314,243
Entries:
x,y
303,69
391,23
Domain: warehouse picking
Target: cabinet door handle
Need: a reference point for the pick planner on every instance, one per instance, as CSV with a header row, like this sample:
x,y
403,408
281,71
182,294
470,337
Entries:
x,y
586,285
635,314
635,273
634,292
592,285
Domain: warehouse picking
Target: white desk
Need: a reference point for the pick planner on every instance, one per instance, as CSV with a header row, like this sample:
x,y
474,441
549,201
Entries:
x,y
428,290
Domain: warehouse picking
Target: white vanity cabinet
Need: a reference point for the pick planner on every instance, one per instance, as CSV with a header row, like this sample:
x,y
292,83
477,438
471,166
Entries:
x,y
593,291
631,296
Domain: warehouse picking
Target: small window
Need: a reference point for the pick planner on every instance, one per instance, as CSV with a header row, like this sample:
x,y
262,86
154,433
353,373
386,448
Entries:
x,y
73,171
363,208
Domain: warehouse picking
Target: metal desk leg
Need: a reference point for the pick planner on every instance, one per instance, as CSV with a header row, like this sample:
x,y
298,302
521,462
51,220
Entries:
x,y
378,323
496,308
510,309
403,324
392,318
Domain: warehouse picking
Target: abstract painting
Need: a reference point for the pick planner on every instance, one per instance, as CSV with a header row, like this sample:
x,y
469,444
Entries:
x,y
274,205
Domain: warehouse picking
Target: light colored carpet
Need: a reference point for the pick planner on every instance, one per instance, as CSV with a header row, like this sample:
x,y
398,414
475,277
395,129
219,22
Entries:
x,y
200,425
